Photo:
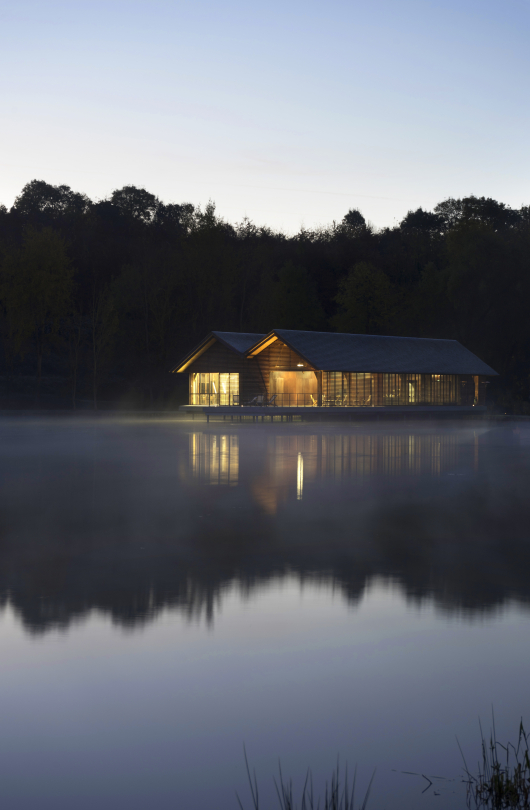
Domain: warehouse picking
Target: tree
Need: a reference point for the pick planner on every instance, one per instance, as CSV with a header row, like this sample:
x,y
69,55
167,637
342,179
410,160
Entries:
x,y
366,301
289,299
147,295
36,289
103,321
74,333
175,217
353,220
39,197
421,221
135,202
476,209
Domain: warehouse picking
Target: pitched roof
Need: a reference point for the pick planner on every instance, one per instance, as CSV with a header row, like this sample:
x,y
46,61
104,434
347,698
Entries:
x,y
239,342
332,351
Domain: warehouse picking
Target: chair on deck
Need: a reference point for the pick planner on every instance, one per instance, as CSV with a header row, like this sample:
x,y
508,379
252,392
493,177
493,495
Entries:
x,y
257,400
368,400
271,400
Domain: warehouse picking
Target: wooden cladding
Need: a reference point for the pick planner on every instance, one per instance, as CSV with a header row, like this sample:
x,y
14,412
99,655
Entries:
x,y
281,377
279,357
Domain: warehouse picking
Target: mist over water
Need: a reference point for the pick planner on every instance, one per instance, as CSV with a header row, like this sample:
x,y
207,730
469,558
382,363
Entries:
x,y
173,590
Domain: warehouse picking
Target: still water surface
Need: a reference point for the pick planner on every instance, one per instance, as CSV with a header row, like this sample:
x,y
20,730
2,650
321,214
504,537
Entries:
x,y
171,591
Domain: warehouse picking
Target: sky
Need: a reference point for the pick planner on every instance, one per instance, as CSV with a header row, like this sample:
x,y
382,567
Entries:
x,y
289,113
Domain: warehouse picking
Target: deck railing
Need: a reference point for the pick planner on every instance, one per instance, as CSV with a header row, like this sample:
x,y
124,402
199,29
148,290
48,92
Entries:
x,y
214,400
308,401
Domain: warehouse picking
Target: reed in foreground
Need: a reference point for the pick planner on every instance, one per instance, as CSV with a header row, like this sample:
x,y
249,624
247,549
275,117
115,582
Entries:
x,y
503,780
337,796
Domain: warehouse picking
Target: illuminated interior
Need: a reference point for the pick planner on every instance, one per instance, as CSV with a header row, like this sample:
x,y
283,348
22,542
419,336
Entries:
x,y
349,388
289,388
294,388
356,389
425,389
214,389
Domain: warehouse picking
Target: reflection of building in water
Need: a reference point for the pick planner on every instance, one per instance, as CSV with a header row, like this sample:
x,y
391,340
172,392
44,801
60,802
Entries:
x,y
214,459
290,463
284,466
361,456
294,462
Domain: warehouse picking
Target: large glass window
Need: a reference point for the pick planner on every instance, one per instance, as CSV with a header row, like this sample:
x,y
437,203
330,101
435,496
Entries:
x,y
420,389
359,389
212,388
349,388
294,388
362,389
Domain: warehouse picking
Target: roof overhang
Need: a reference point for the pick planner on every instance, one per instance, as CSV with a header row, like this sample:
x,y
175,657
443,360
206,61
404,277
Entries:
x,y
271,338
208,341
262,344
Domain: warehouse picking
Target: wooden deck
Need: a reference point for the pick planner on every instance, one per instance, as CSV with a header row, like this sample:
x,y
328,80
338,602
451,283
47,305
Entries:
x,y
261,413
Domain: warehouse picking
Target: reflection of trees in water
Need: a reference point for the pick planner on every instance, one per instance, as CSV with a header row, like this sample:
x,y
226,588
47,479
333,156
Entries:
x,y
410,509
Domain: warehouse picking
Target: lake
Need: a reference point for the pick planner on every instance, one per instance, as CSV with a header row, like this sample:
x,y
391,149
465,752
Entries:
x,y
173,591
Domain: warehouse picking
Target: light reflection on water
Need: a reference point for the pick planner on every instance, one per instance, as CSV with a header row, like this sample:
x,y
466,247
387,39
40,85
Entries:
x,y
214,459
162,516
304,590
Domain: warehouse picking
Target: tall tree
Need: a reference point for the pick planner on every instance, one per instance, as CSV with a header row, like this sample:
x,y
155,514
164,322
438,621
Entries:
x,y
39,197
36,289
296,304
366,301
135,202
103,324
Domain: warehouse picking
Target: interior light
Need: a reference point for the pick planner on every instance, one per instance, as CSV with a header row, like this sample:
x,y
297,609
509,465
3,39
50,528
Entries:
x,y
300,365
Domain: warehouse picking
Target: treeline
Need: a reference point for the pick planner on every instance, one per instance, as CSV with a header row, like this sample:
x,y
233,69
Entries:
x,y
100,299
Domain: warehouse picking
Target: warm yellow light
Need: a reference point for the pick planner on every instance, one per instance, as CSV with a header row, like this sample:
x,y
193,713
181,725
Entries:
x,y
300,478
300,365
263,345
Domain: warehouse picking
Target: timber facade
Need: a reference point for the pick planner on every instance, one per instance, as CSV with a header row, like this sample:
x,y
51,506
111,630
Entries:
x,y
290,369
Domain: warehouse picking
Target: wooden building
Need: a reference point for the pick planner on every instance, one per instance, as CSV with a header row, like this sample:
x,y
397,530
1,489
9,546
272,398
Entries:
x,y
287,368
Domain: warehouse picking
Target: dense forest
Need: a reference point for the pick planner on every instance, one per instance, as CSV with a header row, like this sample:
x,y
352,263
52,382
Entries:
x,y
100,299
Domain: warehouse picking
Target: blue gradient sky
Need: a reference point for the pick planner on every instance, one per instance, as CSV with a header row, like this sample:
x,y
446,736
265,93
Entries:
x,y
287,112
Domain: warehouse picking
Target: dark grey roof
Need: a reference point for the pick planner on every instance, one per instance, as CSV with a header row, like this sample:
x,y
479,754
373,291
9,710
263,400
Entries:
x,y
238,341
331,351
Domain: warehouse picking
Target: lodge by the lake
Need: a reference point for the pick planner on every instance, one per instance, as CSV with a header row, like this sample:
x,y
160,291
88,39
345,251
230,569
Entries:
x,y
294,369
